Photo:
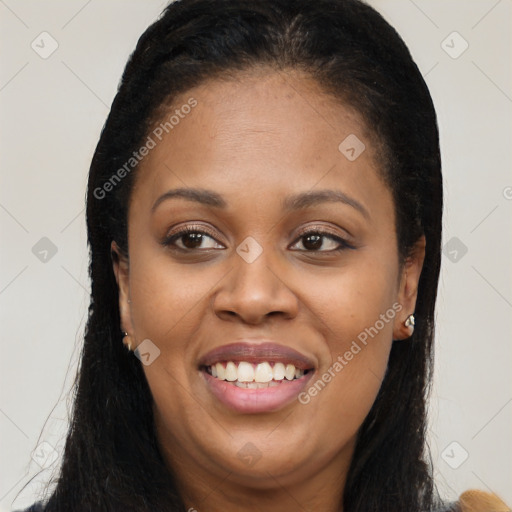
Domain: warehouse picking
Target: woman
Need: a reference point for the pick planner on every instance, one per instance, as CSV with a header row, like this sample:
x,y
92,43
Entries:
x,y
264,217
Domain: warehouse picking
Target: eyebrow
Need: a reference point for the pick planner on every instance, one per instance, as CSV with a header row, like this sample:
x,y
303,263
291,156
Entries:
x,y
199,195
291,203
306,199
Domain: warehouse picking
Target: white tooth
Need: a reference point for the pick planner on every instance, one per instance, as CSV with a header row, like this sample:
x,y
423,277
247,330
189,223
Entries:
x,y
231,372
221,372
298,373
272,383
279,371
240,384
213,368
290,371
245,372
252,385
263,373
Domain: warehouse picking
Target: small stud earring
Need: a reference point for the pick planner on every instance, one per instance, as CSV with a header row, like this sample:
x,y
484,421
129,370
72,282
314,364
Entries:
x,y
409,322
127,340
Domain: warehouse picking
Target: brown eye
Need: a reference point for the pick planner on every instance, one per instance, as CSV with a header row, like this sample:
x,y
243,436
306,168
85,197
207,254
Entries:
x,y
315,241
191,238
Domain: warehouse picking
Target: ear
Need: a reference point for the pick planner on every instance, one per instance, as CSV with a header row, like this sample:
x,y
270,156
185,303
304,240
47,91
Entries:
x,y
121,271
408,289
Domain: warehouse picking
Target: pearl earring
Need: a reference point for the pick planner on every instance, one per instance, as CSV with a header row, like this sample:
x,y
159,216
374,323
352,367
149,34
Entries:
x,y
409,322
127,340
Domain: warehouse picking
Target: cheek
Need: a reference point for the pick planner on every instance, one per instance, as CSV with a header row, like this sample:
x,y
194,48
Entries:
x,y
168,297
169,301
355,313
350,301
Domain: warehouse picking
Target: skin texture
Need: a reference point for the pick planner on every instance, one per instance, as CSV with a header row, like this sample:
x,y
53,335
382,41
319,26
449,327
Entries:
x,y
255,139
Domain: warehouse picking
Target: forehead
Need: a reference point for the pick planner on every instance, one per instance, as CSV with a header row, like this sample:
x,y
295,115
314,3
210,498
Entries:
x,y
264,132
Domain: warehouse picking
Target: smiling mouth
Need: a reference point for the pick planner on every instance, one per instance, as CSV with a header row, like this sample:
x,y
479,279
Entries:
x,y
260,375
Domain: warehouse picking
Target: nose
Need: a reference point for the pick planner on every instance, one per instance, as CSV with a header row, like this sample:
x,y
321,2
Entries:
x,y
251,292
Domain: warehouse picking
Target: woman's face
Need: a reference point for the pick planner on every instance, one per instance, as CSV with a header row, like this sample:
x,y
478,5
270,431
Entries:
x,y
291,242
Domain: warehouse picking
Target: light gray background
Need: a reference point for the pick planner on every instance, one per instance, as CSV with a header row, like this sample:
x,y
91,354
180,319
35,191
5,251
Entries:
x,y
52,111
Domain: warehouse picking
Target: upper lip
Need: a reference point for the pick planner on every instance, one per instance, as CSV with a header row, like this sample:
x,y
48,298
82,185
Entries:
x,y
257,352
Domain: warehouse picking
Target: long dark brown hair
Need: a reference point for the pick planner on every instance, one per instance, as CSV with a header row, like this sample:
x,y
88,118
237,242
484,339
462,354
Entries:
x,y
112,461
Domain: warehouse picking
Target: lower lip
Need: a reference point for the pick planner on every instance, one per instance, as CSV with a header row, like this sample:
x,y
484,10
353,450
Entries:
x,y
246,400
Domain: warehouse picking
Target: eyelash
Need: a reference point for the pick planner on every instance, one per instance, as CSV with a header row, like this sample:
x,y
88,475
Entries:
x,y
169,241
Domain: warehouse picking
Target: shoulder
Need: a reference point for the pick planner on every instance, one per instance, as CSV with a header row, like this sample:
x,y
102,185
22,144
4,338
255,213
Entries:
x,y
480,501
